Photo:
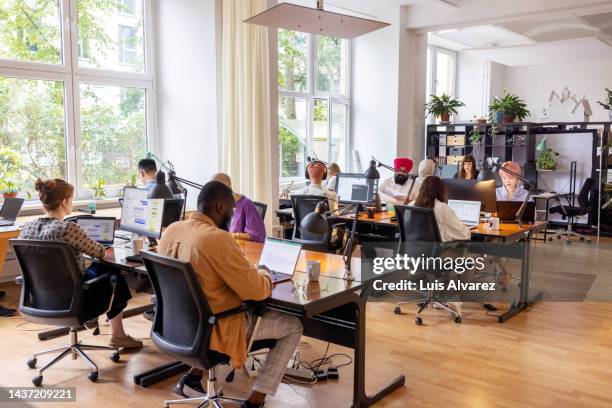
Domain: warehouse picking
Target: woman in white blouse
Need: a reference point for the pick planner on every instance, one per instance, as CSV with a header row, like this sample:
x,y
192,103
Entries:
x,y
432,194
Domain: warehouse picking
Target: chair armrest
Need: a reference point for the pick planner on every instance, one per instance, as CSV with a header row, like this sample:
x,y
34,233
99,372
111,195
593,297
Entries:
x,y
244,307
92,282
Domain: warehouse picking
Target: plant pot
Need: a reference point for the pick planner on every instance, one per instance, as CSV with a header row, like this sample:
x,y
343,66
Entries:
x,y
499,117
9,195
445,117
508,118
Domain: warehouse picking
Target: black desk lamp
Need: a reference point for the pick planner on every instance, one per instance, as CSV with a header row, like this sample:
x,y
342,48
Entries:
x,y
316,223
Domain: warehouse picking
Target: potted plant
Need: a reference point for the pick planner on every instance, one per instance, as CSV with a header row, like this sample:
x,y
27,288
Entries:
x,y
546,159
443,106
509,107
9,189
131,181
607,105
98,188
10,165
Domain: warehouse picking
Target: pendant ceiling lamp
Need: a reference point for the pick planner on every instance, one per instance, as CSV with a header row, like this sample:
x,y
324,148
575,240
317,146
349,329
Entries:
x,y
315,21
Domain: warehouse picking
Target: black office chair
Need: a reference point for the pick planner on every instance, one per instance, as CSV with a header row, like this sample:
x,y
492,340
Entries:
x,y
52,294
302,206
419,225
570,212
184,322
261,209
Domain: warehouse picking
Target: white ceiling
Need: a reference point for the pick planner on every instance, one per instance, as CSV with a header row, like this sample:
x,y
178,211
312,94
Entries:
x,y
532,43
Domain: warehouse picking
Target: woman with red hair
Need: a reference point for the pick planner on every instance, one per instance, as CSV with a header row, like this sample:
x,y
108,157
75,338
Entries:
x,y
511,190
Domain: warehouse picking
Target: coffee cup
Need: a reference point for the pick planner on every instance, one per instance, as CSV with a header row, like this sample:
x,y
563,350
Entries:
x,y
494,223
137,245
370,212
313,270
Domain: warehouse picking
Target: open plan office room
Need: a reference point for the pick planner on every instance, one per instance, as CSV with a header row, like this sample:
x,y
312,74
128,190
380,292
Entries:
x,y
311,203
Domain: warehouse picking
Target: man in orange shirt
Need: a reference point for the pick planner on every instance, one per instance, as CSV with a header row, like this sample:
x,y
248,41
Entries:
x,y
228,278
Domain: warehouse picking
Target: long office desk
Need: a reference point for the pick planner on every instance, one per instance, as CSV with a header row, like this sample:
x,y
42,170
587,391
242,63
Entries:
x,y
507,232
332,310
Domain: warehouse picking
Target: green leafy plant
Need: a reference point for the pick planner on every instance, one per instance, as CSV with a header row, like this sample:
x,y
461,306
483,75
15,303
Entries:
x,y
607,105
443,106
10,166
132,179
98,188
475,136
511,106
546,159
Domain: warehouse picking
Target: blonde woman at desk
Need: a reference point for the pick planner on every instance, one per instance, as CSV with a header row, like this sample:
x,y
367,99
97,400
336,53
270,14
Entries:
x,y
511,190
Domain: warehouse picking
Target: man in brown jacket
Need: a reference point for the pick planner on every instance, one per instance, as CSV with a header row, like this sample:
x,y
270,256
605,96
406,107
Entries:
x,y
228,278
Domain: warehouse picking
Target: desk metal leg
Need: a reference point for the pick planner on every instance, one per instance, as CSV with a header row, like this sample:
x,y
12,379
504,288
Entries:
x,y
524,301
360,398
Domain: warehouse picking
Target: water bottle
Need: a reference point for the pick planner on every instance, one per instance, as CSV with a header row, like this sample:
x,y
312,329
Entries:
x,y
91,207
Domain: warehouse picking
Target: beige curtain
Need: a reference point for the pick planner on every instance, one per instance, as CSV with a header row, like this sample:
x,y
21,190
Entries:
x,y
246,133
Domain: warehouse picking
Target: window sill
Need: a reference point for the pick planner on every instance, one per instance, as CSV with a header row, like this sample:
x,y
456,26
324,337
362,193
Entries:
x,y
37,209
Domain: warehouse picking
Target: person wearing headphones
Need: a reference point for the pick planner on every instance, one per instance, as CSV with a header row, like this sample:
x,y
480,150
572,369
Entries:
x,y
395,189
316,172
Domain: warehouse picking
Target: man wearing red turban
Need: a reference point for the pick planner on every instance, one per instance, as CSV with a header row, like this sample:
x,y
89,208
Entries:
x,y
395,189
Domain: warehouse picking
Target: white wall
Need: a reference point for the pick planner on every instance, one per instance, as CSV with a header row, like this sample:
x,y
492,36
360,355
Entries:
x,y
187,87
535,83
472,85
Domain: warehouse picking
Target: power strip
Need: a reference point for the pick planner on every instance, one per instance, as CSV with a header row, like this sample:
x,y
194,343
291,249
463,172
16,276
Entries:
x,y
305,375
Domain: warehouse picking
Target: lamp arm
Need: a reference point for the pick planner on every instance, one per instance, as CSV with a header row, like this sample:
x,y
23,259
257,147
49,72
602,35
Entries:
x,y
185,181
518,176
386,166
348,250
407,199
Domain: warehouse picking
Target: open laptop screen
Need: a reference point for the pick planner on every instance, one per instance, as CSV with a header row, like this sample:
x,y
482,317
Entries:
x,y
280,255
467,211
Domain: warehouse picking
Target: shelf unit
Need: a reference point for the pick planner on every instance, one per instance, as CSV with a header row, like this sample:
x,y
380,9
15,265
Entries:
x,y
517,142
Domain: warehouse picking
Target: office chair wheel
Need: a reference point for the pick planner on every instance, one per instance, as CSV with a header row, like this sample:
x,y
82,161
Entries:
x,y
115,357
37,381
397,310
32,362
549,238
582,238
458,319
418,321
93,376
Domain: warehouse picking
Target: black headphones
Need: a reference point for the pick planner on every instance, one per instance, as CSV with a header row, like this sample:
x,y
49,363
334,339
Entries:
x,y
310,163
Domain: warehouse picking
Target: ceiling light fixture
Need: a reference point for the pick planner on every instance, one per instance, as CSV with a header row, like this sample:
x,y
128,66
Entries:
x,y
315,21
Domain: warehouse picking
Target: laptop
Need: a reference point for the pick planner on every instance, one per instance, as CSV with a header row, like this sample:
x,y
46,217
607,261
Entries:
x,y
280,257
9,211
100,229
467,211
506,211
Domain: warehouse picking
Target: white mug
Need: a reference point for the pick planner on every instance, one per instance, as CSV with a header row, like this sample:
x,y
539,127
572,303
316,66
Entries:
x,y
313,269
494,223
137,245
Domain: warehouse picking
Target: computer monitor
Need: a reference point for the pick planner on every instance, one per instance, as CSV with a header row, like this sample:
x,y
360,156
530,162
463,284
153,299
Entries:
x,y
173,208
134,192
472,190
100,229
142,216
447,171
355,188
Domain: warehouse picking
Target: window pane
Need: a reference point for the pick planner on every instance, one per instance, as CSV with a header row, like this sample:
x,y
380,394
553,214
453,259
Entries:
x,y
320,135
292,136
110,35
113,133
292,60
32,125
339,135
445,72
30,31
331,64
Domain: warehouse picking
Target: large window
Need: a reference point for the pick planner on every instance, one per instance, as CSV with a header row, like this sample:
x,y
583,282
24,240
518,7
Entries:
x,y
74,103
441,72
314,102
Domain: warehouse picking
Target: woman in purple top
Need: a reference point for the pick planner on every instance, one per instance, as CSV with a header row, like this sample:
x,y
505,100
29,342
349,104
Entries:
x,y
247,224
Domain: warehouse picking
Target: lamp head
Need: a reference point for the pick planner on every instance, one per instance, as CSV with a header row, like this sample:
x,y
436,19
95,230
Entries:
x,y
160,190
541,146
173,184
315,222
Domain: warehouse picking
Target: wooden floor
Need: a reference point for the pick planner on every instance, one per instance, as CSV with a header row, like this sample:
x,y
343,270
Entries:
x,y
555,355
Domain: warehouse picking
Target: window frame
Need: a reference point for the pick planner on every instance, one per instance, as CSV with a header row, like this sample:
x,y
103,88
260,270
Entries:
x,y
433,72
312,94
73,76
